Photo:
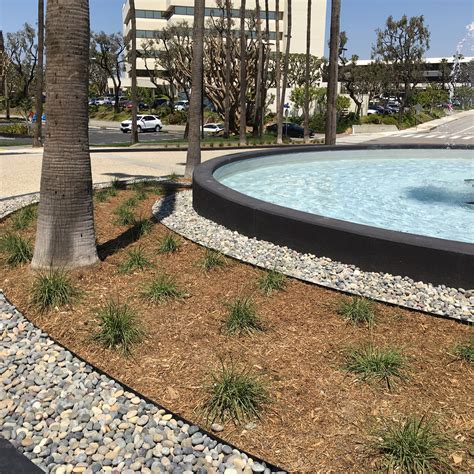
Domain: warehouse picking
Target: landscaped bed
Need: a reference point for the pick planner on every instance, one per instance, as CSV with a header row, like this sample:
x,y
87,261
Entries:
x,y
321,415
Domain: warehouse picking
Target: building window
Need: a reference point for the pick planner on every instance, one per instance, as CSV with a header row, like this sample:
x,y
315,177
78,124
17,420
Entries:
x,y
151,14
218,12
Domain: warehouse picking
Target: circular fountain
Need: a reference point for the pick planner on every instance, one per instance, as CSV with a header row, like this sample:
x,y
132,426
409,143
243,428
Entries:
x,y
404,210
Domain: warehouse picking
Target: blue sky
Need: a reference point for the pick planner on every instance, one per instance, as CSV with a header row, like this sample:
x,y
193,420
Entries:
x,y
447,20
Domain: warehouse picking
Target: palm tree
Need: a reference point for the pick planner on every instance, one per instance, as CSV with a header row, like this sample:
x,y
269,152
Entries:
x,y
227,68
195,104
285,72
243,77
133,71
307,73
278,76
65,234
39,76
333,69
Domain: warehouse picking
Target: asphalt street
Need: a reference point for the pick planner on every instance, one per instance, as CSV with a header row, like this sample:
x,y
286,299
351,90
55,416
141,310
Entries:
x,y
101,136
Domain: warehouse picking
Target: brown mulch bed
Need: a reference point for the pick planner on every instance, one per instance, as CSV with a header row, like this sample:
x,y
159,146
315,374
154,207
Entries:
x,y
321,418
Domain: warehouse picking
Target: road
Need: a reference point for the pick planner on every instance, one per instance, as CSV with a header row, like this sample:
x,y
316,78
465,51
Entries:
x,y
101,136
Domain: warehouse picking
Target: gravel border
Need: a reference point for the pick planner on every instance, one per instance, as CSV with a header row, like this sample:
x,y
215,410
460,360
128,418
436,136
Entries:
x,y
176,212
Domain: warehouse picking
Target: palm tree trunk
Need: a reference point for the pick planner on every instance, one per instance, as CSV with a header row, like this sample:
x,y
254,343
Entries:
x,y
258,82
193,157
39,77
65,234
133,72
285,68
265,67
279,110
307,73
331,119
243,77
227,68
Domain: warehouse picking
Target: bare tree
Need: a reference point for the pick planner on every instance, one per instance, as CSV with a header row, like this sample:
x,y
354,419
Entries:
x,y
258,81
307,73
193,157
243,77
39,77
4,67
331,117
228,46
285,70
133,71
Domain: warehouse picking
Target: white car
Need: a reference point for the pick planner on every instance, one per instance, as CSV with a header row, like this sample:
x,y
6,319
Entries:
x,y
145,123
213,128
181,105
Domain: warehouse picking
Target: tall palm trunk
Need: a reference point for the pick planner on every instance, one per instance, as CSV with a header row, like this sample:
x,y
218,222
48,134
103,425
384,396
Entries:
x,y
307,73
331,119
243,77
279,110
39,77
193,157
227,68
258,82
65,232
265,67
285,68
133,71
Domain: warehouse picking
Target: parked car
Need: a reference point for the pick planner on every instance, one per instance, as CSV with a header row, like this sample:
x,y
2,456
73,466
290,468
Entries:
x,y
379,109
291,130
213,128
145,123
128,105
160,103
181,105
94,101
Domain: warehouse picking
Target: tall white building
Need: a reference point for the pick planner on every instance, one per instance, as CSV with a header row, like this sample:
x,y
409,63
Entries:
x,y
154,15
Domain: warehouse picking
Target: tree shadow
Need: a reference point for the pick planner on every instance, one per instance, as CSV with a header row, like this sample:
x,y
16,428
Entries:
x,y
433,194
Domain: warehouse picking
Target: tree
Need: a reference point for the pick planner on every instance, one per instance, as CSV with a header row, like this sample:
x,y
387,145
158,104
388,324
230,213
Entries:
x,y
108,53
307,74
279,109
193,157
65,234
133,71
259,71
401,46
285,72
4,67
228,58
432,96
39,77
243,77
331,120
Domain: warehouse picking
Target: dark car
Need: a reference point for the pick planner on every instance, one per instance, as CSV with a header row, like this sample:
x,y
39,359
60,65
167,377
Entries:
x,y
291,130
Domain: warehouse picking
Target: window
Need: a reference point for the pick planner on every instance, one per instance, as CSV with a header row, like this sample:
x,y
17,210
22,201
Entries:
x,y
152,14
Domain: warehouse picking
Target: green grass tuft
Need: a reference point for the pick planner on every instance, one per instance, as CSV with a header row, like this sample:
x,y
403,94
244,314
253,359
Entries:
x,y
116,184
101,195
212,259
142,227
125,216
24,217
235,394
51,289
358,310
162,288
465,351
413,446
118,327
168,244
271,281
173,177
136,261
130,202
374,363
16,249
242,317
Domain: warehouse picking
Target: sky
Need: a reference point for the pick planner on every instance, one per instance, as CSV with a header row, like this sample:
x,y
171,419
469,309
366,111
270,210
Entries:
x,y
447,20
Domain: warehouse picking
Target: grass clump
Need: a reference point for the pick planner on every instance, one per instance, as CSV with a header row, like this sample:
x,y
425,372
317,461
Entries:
x,y
162,288
173,177
242,317
136,260
118,327
235,394
271,281
212,259
116,184
358,310
465,351
142,227
168,244
51,289
24,217
125,215
16,249
130,202
413,446
374,363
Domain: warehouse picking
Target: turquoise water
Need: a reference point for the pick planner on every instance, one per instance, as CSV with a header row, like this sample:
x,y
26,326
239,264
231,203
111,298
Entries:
x,y
416,191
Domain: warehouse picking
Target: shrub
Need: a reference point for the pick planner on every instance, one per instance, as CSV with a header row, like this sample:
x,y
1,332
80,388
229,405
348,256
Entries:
x,y
413,446
52,288
16,249
24,217
465,351
373,363
242,317
212,259
162,288
125,215
16,129
118,327
235,394
136,260
358,310
168,244
178,117
271,281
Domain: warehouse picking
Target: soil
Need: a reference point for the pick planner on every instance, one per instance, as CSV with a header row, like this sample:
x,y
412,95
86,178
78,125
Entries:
x,y
321,419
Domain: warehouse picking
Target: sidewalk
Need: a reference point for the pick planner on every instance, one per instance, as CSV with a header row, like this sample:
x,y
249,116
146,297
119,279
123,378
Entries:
x,y
432,124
